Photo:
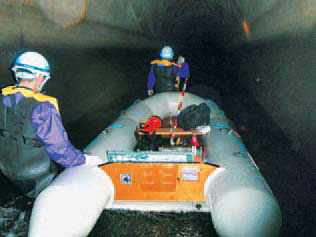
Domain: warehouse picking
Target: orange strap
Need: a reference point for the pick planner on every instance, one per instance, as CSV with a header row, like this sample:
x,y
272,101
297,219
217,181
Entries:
x,y
166,63
30,94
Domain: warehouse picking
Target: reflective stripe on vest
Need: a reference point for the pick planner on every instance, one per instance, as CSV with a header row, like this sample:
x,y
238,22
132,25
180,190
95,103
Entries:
x,y
30,94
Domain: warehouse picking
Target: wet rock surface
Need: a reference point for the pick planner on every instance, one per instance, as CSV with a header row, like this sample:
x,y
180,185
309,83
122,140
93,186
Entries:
x,y
14,217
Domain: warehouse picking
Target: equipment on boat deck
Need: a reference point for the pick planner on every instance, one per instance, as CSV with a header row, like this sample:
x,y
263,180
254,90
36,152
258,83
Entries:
x,y
194,116
151,125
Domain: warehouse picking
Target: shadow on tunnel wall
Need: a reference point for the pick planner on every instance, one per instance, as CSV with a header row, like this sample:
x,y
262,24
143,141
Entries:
x,y
274,83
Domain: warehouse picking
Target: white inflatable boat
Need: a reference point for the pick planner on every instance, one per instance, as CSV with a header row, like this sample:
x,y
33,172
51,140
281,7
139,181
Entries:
x,y
222,180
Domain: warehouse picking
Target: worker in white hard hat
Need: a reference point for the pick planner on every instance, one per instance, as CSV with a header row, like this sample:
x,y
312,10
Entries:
x,y
32,137
164,74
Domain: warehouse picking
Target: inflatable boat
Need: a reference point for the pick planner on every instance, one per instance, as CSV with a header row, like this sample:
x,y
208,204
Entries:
x,y
216,175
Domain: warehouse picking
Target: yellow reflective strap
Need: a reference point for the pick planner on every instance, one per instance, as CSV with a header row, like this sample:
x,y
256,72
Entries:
x,y
30,94
165,62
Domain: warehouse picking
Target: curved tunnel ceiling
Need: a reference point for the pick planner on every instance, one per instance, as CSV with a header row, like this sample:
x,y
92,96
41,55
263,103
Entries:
x,y
238,26
119,23
266,36
99,52
89,23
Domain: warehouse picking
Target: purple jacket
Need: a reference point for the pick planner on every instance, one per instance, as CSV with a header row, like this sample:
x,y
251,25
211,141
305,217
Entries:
x,y
51,133
183,72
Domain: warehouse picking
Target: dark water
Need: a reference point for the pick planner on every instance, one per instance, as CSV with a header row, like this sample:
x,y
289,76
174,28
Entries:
x,y
132,223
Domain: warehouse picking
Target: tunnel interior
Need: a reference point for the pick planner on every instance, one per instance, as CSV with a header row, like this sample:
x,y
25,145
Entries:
x,y
254,58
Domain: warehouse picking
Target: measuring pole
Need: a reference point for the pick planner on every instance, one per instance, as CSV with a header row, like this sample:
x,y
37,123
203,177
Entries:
x,y
180,104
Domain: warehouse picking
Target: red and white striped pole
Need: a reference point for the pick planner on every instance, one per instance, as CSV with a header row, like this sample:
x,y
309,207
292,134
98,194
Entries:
x,y
175,122
181,100
180,104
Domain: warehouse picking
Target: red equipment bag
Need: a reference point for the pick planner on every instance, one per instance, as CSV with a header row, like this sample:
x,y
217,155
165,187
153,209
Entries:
x,y
152,124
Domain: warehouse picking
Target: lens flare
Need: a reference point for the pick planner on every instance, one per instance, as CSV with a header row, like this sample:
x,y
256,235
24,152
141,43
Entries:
x,y
66,12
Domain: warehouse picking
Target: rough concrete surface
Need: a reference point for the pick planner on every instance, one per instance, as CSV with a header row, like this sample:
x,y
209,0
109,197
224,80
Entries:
x,y
256,56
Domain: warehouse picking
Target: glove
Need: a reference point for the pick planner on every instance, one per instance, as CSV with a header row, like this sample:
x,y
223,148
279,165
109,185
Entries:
x,y
150,92
92,160
181,60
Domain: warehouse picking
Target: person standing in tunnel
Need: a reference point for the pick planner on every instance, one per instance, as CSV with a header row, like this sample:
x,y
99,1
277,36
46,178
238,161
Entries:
x,y
32,137
164,75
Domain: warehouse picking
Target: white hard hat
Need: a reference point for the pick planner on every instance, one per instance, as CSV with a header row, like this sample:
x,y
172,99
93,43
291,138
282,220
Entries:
x,y
166,52
29,65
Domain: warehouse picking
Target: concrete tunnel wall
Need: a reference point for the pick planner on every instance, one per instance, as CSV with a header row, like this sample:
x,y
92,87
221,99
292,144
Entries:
x,y
275,58
89,48
99,51
278,68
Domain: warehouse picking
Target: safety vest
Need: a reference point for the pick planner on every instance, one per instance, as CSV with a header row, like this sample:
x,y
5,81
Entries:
x,y
23,159
165,76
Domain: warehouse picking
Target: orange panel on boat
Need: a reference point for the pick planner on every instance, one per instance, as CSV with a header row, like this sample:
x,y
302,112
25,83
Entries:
x,y
172,182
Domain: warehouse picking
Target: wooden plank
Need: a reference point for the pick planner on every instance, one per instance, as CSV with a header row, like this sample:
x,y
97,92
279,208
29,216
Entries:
x,y
167,132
